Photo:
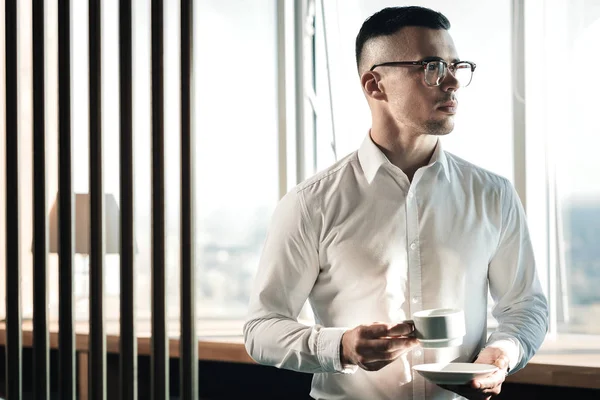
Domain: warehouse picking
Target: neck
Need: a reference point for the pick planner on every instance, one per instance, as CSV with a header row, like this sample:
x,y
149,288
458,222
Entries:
x,y
409,152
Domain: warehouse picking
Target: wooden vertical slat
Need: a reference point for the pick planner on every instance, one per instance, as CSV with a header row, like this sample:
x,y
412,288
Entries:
x,y
188,342
160,366
66,337
41,354
97,329
14,343
128,342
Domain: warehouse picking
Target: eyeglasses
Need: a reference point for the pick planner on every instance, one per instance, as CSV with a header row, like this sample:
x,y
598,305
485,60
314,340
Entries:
x,y
435,71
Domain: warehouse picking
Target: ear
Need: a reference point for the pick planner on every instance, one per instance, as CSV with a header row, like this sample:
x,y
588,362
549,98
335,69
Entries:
x,y
371,84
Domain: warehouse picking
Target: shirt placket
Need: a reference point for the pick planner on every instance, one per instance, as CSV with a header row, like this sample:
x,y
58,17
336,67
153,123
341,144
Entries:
x,y
414,267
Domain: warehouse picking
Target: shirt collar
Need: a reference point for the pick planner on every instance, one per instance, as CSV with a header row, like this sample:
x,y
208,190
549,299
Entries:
x,y
371,158
439,155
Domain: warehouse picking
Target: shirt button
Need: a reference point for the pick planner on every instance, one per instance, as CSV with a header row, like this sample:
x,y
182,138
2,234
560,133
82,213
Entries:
x,y
418,353
410,195
413,246
415,300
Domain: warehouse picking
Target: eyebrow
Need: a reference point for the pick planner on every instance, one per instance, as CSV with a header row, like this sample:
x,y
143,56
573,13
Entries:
x,y
435,58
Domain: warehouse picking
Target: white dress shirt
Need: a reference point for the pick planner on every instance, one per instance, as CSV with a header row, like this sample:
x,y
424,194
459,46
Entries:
x,y
364,244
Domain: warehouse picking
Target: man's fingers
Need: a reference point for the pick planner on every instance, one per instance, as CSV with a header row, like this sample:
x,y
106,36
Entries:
x,y
377,330
383,330
489,382
370,353
378,344
402,329
391,344
385,345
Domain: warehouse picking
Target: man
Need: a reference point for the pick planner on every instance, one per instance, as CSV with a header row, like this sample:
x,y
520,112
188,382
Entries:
x,y
397,227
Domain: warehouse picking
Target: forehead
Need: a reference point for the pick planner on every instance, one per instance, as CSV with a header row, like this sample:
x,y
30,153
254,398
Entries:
x,y
415,43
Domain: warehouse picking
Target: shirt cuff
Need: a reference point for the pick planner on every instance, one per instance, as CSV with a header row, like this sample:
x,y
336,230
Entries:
x,y
328,351
511,347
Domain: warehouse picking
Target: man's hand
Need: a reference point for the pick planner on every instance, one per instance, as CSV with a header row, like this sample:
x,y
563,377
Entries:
x,y
374,346
488,386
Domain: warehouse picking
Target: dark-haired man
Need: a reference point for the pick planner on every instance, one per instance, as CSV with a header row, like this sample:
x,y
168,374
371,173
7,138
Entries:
x,y
396,227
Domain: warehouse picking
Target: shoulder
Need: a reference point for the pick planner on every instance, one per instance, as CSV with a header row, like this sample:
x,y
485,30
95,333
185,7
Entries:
x,y
331,178
310,196
496,190
319,186
467,171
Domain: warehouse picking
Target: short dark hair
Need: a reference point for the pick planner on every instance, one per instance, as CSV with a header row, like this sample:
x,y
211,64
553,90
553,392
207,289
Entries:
x,y
391,19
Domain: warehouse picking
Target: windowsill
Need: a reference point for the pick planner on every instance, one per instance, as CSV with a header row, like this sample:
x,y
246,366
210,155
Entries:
x,y
567,360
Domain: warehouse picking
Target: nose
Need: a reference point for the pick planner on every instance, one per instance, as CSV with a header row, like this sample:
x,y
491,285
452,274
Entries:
x,y
450,82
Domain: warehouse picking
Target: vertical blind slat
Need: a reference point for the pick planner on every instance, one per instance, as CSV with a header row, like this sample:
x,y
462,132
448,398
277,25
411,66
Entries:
x,y
299,13
188,342
13,264
97,384
160,357
128,342
66,337
282,97
40,244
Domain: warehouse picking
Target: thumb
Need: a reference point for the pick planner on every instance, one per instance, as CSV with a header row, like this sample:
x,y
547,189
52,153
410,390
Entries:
x,y
502,362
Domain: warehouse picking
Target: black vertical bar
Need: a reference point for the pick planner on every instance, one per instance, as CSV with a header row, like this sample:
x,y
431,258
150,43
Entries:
x,y
97,382
13,264
41,355
128,340
188,343
66,337
160,366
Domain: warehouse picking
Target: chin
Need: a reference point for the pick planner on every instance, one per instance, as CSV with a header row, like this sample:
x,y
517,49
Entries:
x,y
440,128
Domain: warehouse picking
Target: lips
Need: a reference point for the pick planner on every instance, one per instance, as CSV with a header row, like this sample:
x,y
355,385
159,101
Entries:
x,y
449,107
449,104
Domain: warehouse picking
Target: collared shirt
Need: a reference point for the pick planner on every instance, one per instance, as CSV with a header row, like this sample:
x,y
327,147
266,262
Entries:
x,y
364,244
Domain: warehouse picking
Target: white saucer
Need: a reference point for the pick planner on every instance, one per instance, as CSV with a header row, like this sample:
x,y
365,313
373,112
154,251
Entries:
x,y
454,373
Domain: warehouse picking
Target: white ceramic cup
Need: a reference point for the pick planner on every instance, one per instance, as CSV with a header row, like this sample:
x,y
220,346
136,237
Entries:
x,y
439,327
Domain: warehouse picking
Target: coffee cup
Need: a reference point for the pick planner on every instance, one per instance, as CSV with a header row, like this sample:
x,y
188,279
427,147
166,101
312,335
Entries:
x,y
439,327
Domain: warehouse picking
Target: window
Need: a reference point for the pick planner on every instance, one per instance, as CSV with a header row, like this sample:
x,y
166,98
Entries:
x,y
236,157
236,170
236,154
561,106
236,126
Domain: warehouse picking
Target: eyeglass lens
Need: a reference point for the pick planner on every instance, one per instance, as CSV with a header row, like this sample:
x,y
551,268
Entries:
x,y
435,72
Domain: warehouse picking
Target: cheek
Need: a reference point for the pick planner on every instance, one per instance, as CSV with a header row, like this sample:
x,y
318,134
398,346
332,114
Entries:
x,y
413,101
407,109
417,104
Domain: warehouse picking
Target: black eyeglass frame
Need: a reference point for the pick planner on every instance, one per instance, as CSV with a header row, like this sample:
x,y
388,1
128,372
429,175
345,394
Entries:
x,y
448,66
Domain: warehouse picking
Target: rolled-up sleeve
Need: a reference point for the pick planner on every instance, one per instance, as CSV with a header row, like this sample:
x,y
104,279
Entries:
x,y
287,271
521,308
